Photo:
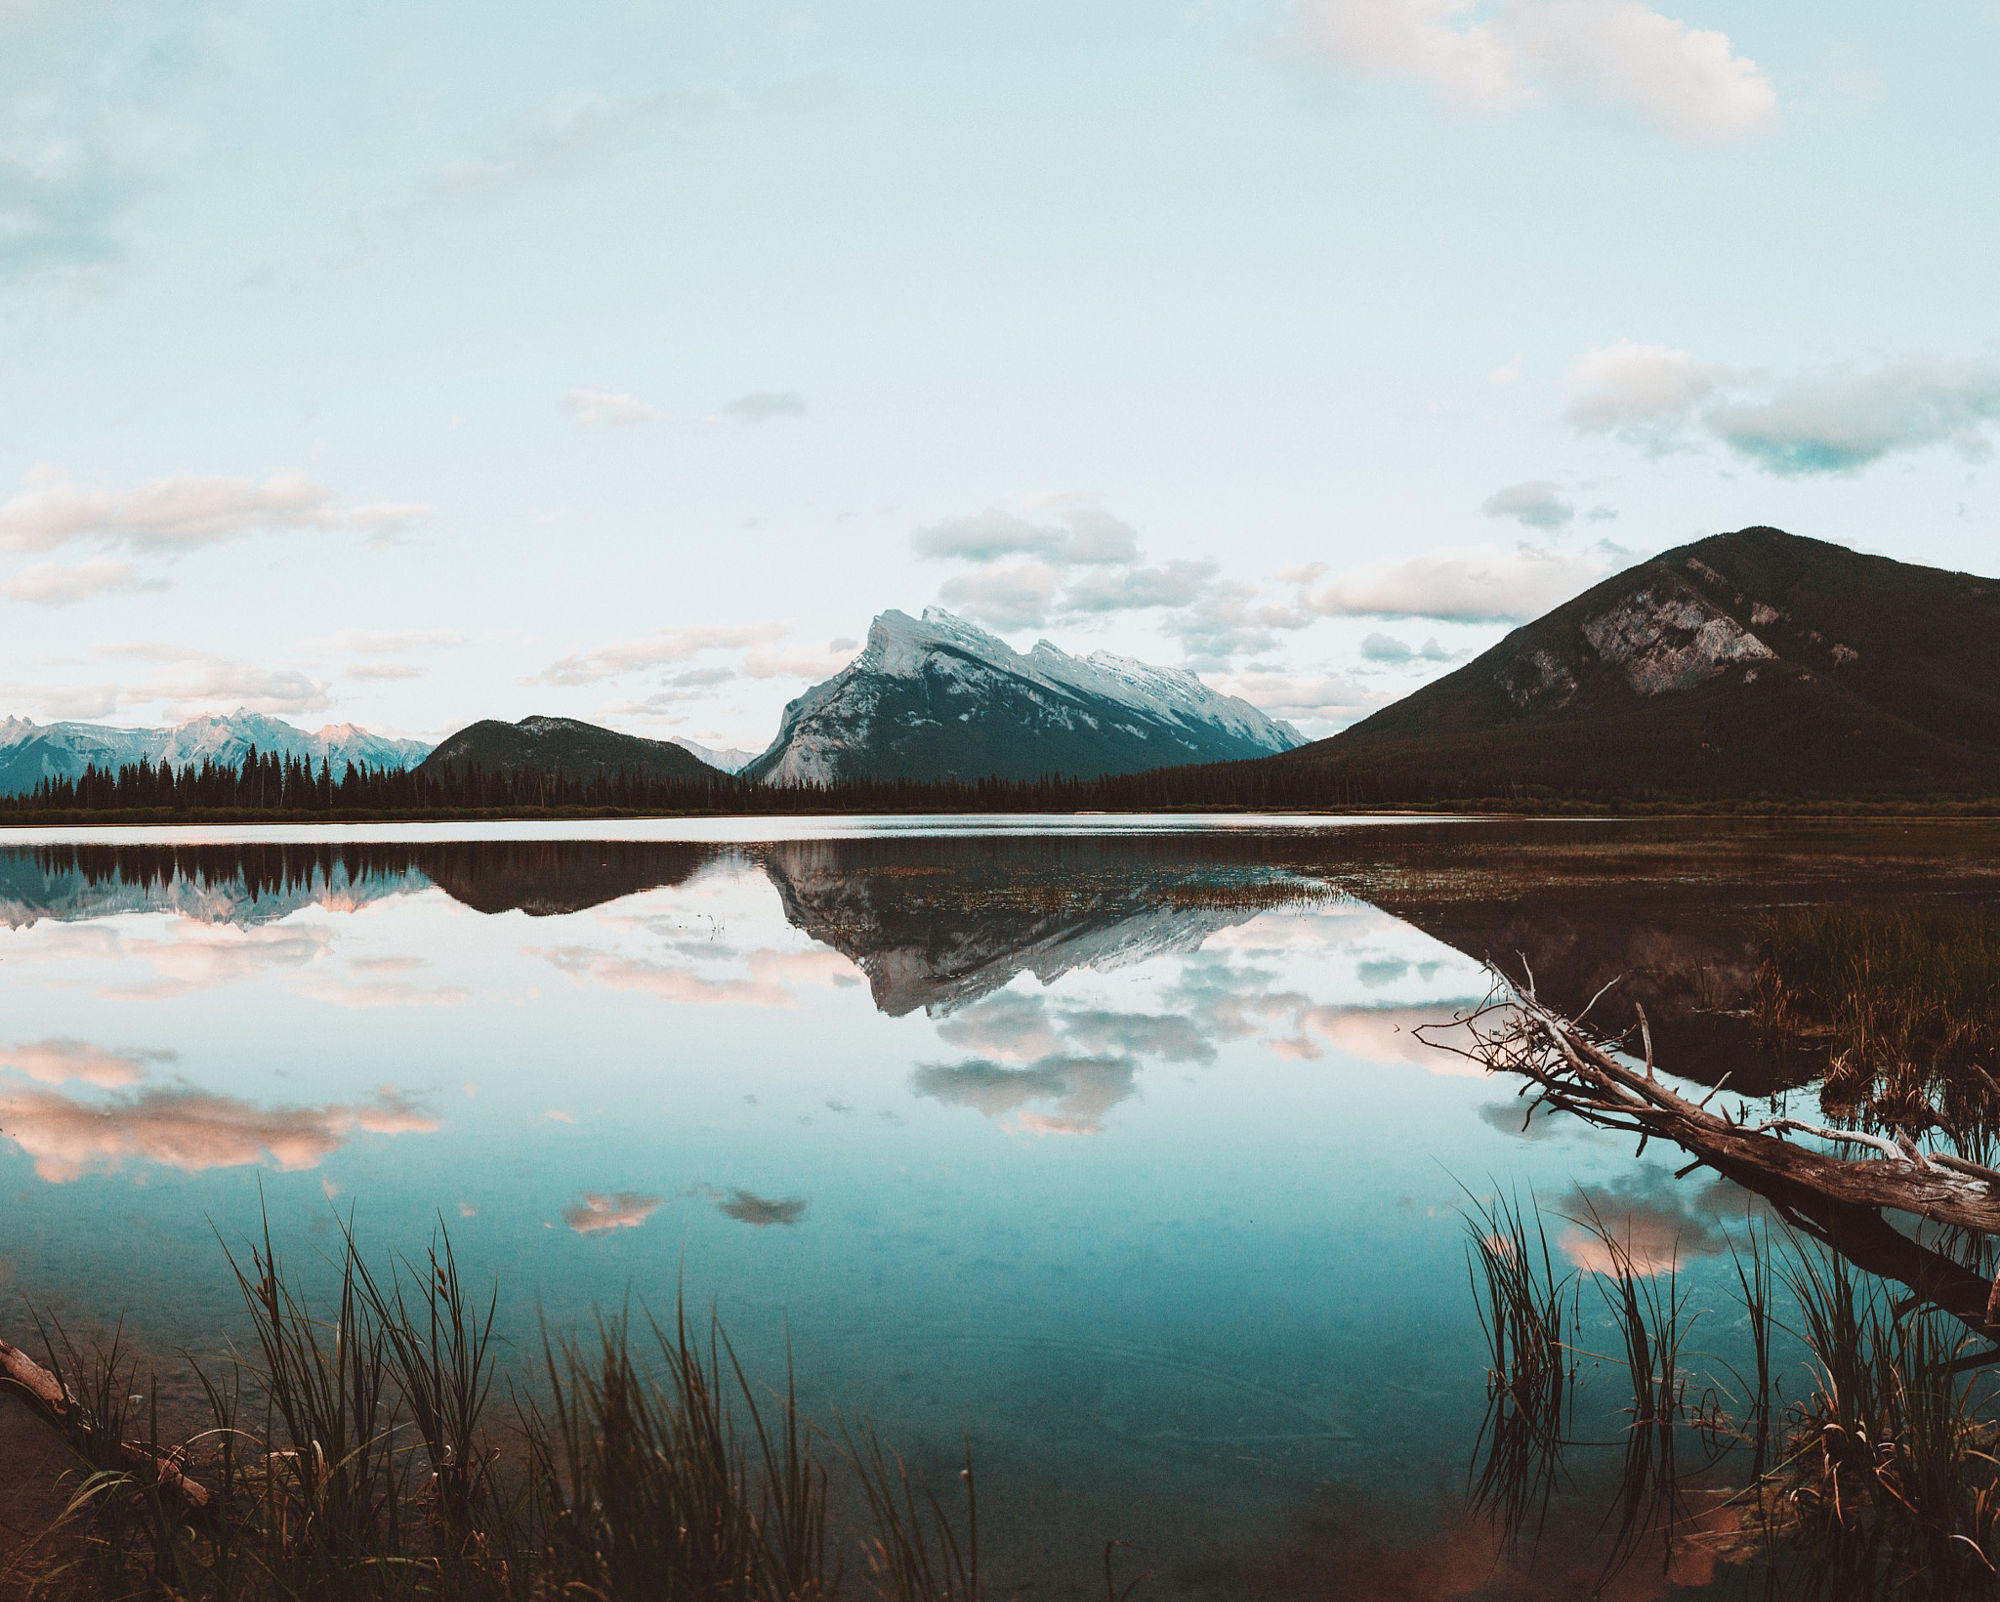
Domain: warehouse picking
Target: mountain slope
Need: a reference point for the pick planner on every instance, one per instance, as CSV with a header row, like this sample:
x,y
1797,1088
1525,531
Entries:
x,y
936,698
1753,663
728,758
31,752
565,746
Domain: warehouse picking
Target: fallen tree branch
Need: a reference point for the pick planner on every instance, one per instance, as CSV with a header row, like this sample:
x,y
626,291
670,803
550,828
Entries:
x,y
47,1396
1579,1072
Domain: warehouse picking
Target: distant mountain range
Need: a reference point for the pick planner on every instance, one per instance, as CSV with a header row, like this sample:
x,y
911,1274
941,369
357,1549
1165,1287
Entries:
x,y
31,752
1753,663
566,746
729,758
937,698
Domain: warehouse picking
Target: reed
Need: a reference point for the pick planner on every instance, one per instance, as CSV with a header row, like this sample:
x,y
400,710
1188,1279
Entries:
x,y
1527,1312
355,1453
1906,1004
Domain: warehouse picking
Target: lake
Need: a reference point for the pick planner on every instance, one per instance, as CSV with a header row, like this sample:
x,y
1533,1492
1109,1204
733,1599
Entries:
x,y
1111,1142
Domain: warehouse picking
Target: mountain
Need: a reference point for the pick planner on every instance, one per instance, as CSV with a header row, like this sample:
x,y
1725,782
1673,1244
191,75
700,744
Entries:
x,y
728,758
564,745
936,698
1745,664
31,752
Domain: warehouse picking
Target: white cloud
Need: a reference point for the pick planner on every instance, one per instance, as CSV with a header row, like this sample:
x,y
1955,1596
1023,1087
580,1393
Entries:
x,y
1689,81
1324,698
654,650
763,662
179,512
379,642
763,406
603,408
1468,584
1844,420
1536,503
1017,597
1140,589
1387,648
1084,535
1502,56
1645,393
190,683
1837,420
50,584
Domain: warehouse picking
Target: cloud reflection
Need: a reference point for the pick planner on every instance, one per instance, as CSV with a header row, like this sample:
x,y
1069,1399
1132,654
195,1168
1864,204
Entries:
x,y
62,1061
597,1214
1081,1090
190,1130
759,1212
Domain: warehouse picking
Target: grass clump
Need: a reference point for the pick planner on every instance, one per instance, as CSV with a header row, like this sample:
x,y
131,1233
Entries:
x,y
1906,1002
356,1451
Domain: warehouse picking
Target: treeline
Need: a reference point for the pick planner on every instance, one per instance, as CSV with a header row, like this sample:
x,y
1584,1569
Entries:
x,y
273,786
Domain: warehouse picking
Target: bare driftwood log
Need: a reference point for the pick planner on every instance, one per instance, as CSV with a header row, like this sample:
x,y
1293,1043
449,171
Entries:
x,y
48,1397
1836,1198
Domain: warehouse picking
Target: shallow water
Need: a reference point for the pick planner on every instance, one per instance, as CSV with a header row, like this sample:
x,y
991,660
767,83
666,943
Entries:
x,y
1112,1144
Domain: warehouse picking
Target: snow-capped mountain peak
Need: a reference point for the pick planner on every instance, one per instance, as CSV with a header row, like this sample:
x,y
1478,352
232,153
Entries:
x,y
31,752
936,696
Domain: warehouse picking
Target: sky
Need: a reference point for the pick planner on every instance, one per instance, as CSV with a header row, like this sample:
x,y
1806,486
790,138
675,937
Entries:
x,y
406,365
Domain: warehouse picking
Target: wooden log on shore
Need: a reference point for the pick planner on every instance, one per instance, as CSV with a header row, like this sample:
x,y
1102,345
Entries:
x,y
48,1397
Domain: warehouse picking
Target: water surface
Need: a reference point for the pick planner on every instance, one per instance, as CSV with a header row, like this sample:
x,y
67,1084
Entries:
x,y
1114,1144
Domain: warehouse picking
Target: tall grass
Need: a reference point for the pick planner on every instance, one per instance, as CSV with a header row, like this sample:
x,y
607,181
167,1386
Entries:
x,y
1906,1003
1881,1480
355,1453
1527,1313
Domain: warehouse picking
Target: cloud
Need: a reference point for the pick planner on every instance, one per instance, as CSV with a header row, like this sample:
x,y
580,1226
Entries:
x,y
1387,648
1140,589
747,1207
380,642
1837,420
188,1130
1467,584
190,683
195,957
1006,1025
50,584
180,512
384,672
763,406
765,663
1084,535
654,650
603,408
597,1214
64,1060
1537,503
1331,698
1499,58
1645,393
1017,597
1653,1227
1841,421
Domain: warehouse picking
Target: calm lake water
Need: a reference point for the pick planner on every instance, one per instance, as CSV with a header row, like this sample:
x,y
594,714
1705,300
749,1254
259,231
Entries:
x,y
1111,1142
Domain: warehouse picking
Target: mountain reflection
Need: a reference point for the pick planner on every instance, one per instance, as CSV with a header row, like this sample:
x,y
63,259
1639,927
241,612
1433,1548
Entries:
x,y
938,925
